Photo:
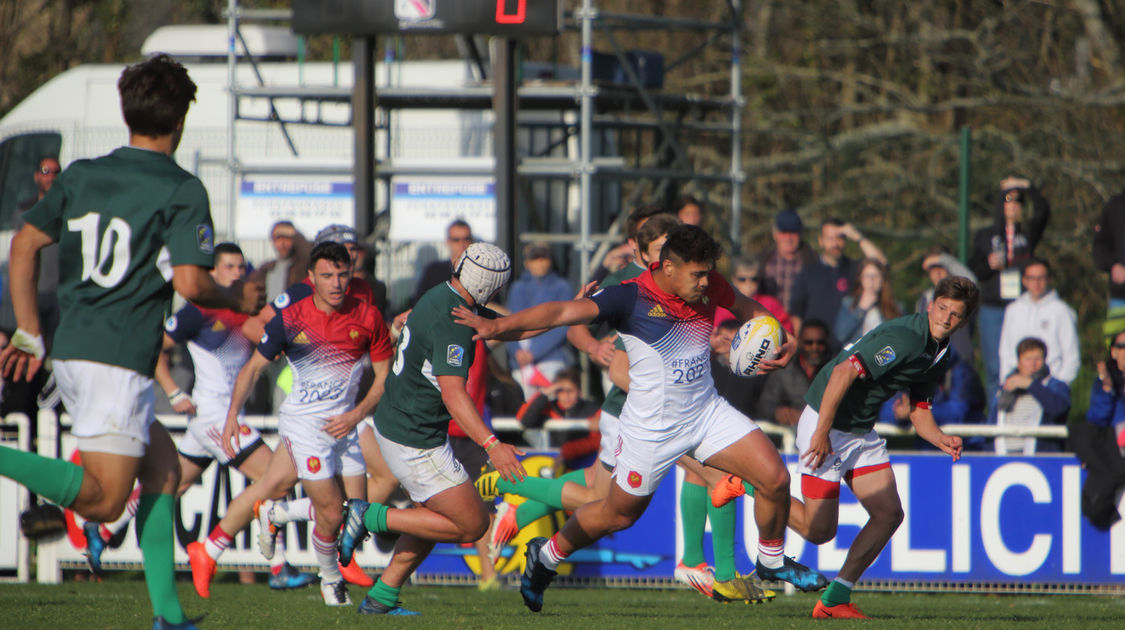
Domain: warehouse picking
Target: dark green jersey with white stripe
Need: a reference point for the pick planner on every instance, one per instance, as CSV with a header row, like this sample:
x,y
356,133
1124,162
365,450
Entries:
x,y
411,411
895,356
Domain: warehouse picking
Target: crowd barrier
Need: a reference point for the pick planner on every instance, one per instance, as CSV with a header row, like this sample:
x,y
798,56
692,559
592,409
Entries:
x,y
986,522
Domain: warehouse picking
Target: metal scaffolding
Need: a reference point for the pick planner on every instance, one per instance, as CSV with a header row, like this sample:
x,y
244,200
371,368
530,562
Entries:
x,y
611,122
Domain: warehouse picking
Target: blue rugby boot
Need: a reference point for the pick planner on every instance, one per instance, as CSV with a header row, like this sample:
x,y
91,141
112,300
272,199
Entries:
x,y
289,578
95,545
354,529
795,573
536,577
371,607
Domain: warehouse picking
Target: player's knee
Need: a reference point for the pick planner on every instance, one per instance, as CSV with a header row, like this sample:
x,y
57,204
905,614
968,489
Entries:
x,y
774,486
622,521
473,524
160,478
819,534
103,510
331,516
894,517
474,531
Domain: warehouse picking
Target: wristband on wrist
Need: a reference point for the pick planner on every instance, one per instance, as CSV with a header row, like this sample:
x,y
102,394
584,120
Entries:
x,y
31,344
491,443
177,396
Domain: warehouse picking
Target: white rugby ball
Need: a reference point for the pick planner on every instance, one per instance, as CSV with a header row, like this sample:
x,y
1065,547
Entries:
x,y
758,339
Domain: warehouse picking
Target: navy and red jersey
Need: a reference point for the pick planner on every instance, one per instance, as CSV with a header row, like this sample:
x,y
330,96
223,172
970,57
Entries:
x,y
325,351
669,347
217,346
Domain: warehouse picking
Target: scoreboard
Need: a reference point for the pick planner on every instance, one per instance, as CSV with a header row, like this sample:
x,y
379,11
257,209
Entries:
x,y
510,18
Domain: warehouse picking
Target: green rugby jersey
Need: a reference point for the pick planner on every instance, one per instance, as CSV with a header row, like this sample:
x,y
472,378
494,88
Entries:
x,y
898,355
615,397
121,222
430,345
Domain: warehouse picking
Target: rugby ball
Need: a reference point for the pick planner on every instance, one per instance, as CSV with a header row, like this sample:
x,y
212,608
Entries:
x,y
758,339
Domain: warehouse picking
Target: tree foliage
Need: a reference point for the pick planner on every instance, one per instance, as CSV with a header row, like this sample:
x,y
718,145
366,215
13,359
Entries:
x,y
853,108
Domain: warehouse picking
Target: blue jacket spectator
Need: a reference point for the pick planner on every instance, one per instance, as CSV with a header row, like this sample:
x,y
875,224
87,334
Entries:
x,y
1107,395
535,362
1030,396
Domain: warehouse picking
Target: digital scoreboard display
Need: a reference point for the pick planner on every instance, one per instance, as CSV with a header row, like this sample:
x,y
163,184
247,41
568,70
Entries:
x,y
511,18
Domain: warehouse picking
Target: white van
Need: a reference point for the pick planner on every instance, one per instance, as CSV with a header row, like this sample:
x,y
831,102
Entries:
x,y
77,115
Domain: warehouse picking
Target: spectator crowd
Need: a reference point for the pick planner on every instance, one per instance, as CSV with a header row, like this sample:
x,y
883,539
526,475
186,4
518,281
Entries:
x,y
1024,335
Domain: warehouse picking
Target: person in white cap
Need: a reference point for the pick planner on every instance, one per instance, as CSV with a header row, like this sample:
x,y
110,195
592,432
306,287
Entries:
x,y
426,387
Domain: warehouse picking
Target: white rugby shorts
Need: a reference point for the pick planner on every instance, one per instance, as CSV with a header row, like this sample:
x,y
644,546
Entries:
x,y
111,407
850,452
423,472
607,448
318,455
204,435
643,463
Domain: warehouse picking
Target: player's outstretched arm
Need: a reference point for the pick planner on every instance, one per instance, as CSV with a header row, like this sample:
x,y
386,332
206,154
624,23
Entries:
x,y
23,356
198,287
530,321
180,401
928,429
247,376
339,426
504,457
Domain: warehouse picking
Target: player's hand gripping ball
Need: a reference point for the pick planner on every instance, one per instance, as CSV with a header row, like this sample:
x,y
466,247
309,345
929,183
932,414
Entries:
x,y
758,339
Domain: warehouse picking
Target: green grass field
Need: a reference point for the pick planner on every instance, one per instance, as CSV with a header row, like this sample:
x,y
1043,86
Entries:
x,y
121,603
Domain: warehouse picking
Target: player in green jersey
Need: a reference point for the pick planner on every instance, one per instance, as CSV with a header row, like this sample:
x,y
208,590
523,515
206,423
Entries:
x,y
126,223
425,389
836,440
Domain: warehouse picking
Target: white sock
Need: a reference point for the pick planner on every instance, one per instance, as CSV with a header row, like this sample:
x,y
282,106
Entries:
x,y
771,553
288,511
279,550
130,511
217,542
326,555
550,554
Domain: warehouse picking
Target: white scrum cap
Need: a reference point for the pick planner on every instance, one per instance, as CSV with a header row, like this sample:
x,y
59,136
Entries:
x,y
483,269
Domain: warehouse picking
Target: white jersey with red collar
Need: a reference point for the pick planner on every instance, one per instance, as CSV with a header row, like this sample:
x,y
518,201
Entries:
x,y
326,353
669,346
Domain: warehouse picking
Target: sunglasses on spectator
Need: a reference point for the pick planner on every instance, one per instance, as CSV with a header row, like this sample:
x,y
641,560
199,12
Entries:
x,y
460,239
1119,346
50,171
814,342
